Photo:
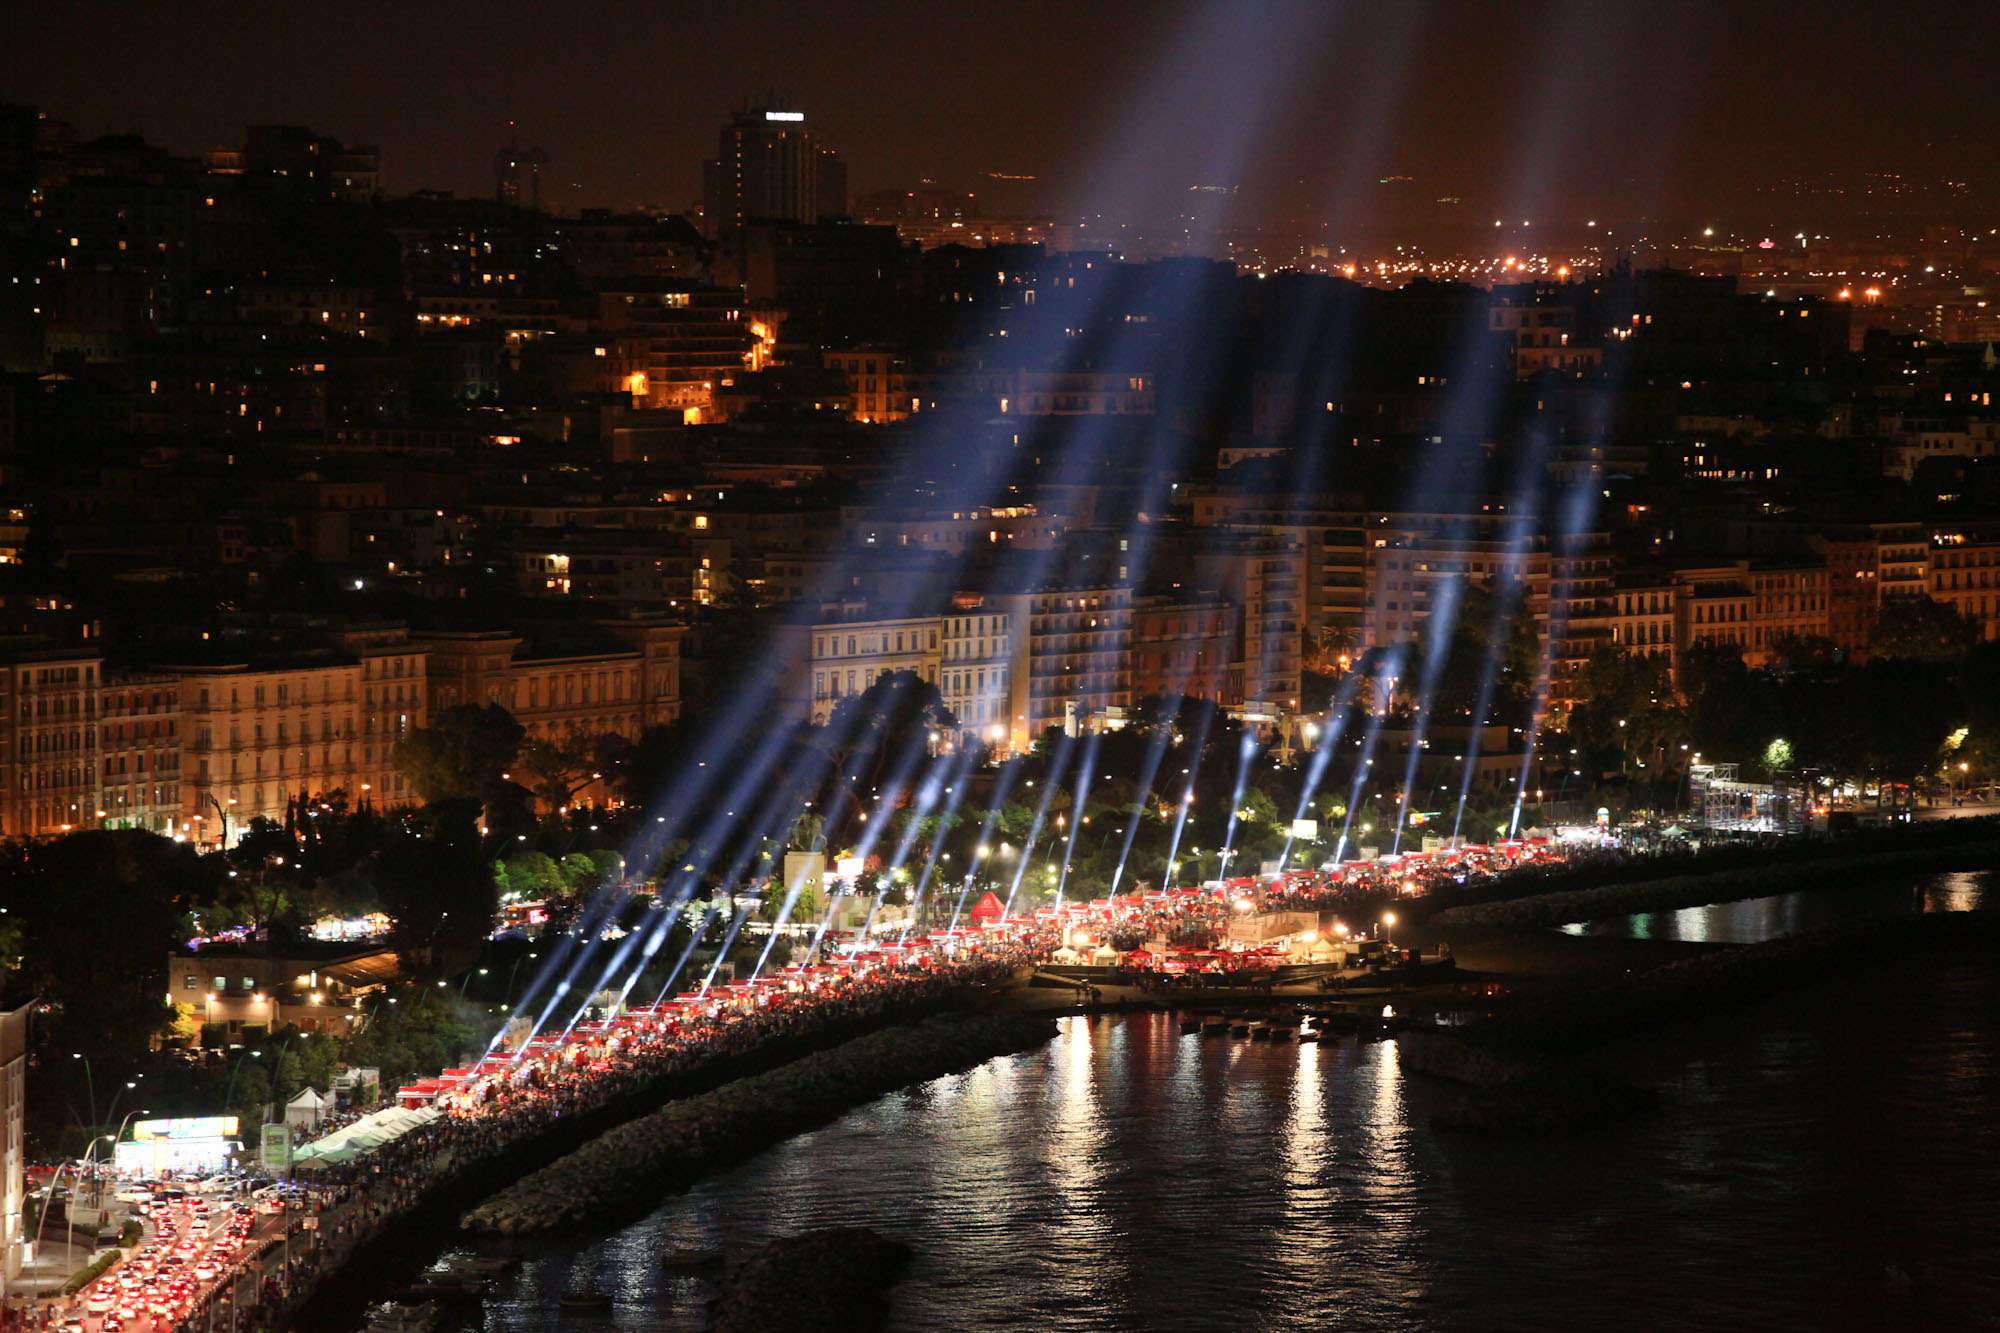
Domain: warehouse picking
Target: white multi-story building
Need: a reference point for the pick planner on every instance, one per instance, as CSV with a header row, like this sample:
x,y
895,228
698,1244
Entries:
x,y
976,674
852,652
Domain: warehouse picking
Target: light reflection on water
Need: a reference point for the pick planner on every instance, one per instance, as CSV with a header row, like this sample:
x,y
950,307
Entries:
x,y
1129,1178
1753,920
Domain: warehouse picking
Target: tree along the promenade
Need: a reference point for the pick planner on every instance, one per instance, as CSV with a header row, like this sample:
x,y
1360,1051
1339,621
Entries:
x,y
1626,710
871,735
98,912
1730,711
465,754
1921,627
411,1030
557,771
1503,667
436,883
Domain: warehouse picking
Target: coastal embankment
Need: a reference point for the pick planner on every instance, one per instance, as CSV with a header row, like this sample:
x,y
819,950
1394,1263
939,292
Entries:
x,y
1521,1066
1678,891
625,1170
419,1200
831,1281
1724,978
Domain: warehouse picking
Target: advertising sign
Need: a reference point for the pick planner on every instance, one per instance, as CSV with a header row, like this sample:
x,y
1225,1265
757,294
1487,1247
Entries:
x,y
1305,830
1268,926
198,1127
152,1157
275,1152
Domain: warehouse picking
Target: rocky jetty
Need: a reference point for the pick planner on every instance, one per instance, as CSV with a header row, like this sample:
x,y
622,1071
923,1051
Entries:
x,y
1671,894
1724,979
1516,1096
1446,1057
830,1281
625,1170
1547,1099
1521,1082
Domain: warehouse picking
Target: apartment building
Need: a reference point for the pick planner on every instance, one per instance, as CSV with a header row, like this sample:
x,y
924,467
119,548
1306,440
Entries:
x,y
976,674
49,740
1075,667
1788,603
853,650
1640,616
1712,607
139,717
603,678
261,735
1186,649
1964,574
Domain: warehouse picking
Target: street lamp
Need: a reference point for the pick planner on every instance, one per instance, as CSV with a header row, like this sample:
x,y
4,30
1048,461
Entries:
x,y
89,1153
90,1082
112,1109
1388,929
48,1202
230,1091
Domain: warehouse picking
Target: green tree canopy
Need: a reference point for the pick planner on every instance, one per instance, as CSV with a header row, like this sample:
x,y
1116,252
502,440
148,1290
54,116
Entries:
x,y
98,912
1921,627
463,755
436,884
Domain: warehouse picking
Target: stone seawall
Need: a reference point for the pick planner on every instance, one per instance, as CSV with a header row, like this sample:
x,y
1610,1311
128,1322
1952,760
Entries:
x,y
1666,895
1519,1067
1724,979
625,1170
831,1281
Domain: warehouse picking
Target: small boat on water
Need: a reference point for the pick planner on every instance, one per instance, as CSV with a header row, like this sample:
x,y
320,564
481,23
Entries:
x,y
1309,1034
470,1264
437,1288
1281,1034
1215,1027
689,1260
1239,1030
584,1300
393,1318
1260,1033
1190,1026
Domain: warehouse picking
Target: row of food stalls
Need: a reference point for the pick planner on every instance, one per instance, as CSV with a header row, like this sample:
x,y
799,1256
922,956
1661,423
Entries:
x,y
362,1136
1260,931
1258,927
542,1057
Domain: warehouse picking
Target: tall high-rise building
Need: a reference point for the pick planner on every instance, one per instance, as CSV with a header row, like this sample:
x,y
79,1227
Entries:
x,y
517,175
770,168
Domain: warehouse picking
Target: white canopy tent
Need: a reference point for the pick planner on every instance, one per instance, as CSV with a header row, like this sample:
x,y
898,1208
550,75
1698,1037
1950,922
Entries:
x,y
306,1110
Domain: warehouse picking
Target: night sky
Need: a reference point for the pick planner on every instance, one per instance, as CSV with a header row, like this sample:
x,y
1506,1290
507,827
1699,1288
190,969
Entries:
x,y
1553,110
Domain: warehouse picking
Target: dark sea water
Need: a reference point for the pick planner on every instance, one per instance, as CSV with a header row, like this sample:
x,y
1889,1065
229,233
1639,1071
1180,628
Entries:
x,y
1813,1152
1753,920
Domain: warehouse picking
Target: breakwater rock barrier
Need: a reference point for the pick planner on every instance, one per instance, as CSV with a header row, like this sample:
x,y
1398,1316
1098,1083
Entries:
x,y
624,1171
1514,1096
1517,1066
831,1281
1671,894
1722,979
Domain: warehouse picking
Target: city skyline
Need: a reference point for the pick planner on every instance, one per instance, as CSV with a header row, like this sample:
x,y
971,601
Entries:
x,y
1544,112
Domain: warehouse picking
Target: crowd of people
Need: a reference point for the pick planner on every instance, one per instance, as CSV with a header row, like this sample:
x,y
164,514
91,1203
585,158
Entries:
x,y
515,1093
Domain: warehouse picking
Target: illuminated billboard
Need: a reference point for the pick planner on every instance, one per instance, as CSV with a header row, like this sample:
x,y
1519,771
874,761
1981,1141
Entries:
x,y
152,1157
197,1127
